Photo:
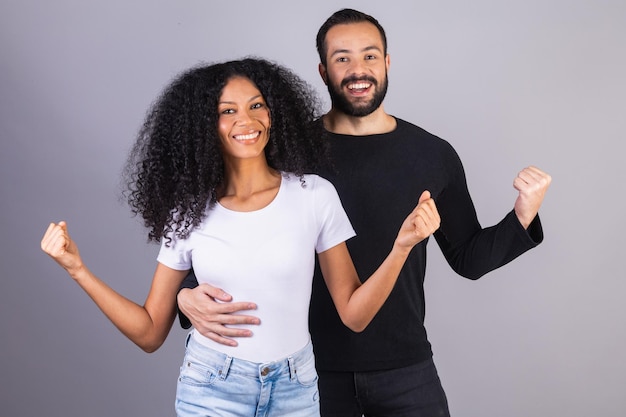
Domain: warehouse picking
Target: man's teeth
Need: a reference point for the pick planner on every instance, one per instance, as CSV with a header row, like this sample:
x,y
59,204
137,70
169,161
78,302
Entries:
x,y
246,137
359,86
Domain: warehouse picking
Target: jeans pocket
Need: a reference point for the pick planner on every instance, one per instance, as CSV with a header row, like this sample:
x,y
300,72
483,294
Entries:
x,y
306,374
195,373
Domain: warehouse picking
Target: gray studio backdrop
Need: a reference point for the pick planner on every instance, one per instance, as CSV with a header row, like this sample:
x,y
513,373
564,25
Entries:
x,y
508,83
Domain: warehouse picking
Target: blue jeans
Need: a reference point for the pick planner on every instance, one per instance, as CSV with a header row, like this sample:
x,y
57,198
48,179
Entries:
x,y
214,384
413,391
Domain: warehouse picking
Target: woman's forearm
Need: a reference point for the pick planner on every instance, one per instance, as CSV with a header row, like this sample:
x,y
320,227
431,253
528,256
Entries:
x,y
133,320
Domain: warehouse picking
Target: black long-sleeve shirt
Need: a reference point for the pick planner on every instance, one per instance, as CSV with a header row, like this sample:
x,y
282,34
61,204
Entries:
x,y
379,179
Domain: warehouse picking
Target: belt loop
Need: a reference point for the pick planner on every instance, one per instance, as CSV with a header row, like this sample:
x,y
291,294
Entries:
x,y
292,368
224,371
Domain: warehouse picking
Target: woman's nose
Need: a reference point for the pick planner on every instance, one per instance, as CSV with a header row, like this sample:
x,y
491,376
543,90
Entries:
x,y
243,118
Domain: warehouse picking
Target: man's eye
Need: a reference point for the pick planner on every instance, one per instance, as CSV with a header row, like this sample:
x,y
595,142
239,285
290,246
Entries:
x,y
342,59
370,57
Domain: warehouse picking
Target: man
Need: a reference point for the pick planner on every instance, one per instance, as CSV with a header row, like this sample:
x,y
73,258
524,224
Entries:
x,y
381,164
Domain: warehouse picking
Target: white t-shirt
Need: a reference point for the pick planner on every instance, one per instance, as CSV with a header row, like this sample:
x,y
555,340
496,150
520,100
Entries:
x,y
266,256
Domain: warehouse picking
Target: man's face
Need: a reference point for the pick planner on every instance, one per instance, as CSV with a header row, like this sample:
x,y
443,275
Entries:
x,y
356,68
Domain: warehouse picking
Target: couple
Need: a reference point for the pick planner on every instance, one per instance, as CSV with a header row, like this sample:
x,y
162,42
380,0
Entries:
x,y
216,174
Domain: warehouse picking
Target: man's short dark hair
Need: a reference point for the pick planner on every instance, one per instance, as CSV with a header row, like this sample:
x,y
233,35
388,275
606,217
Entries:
x,y
344,17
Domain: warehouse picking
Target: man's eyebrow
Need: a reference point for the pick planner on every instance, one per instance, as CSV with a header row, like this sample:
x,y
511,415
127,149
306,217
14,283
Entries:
x,y
367,48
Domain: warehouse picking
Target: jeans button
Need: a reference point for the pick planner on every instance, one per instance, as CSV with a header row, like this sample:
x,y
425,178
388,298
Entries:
x,y
265,371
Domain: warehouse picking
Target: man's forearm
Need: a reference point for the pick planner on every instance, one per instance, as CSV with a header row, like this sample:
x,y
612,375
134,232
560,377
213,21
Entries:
x,y
190,282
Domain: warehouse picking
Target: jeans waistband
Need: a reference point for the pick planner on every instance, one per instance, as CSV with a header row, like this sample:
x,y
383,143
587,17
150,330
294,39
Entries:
x,y
263,371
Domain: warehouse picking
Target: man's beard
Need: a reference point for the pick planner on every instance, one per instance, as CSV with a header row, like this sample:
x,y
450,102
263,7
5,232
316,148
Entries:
x,y
342,103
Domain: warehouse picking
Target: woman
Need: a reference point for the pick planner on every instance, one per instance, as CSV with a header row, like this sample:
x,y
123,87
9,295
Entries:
x,y
218,174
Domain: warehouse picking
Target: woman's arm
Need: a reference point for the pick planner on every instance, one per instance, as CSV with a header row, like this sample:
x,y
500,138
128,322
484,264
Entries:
x,y
147,325
357,303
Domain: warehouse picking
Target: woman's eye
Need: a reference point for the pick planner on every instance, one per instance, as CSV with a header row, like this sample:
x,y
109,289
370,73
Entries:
x,y
257,106
228,111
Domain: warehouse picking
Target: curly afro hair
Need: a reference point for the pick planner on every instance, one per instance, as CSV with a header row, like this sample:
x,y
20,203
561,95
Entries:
x,y
176,165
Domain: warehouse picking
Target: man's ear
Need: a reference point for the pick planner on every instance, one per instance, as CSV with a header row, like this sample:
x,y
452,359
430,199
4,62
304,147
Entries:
x,y
323,73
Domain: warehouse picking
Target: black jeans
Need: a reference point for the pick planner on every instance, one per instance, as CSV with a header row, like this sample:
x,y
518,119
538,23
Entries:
x,y
413,391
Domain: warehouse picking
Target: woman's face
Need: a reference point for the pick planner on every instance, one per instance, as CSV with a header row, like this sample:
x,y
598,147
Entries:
x,y
244,120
